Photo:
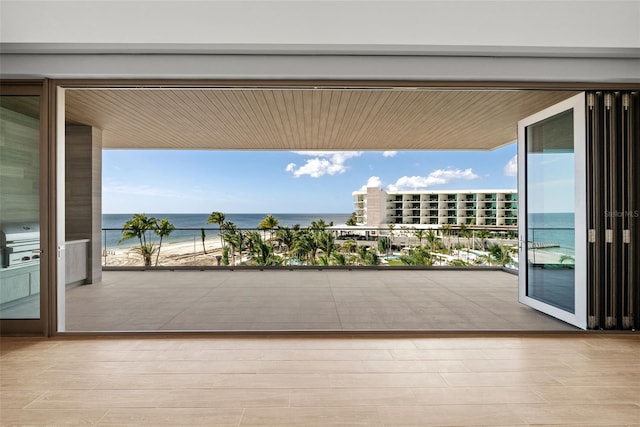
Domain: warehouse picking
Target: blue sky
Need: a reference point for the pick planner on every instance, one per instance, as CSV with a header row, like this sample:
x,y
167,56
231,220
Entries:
x,y
163,181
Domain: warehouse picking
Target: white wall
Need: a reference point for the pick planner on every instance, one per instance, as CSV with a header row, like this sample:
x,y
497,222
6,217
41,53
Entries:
x,y
260,23
453,40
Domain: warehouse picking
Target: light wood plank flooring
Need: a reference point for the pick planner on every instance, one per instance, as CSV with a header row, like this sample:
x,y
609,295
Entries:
x,y
574,379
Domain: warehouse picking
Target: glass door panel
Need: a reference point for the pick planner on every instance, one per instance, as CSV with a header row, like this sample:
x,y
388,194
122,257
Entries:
x,y
20,243
553,215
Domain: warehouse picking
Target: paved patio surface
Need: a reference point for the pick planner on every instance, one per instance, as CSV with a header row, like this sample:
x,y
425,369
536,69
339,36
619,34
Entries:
x,y
310,300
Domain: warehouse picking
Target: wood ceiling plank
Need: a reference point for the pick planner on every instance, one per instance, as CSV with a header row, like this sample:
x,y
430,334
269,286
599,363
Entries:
x,y
296,110
328,117
369,117
229,135
353,112
333,109
282,131
283,100
394,124
341,107
306,119
242,117
385,127
262,112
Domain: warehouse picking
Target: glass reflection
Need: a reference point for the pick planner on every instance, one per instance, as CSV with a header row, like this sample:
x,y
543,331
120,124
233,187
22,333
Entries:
x,y
551,211
19,207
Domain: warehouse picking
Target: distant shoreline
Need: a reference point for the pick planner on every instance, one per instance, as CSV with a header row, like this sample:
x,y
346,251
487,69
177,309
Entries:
x,y
195,222
171,253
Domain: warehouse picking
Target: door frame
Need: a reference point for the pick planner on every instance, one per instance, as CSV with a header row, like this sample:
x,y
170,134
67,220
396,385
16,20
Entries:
x,y
49,92
41,326
579,317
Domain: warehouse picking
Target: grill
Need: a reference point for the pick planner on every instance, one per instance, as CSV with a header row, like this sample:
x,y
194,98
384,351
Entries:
x,y
19,244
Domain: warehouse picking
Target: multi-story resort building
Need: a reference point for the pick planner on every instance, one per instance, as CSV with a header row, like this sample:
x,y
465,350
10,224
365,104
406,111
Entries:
x,y
482,208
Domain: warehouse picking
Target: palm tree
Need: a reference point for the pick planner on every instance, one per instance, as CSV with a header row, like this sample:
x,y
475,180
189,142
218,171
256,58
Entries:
x,y
312,243
323,260
372,258
353,219
233,237
419,234
250,238
238,240
501,254
268,223
404,231
137,227
217,218
339,258
432,239
367,256
362,254
203,236
320,224
225,255
285,238
302,246
483,235
261,252
417,256
391,228
349,247
384,243
446,231
466,233
462,232
163,228
146,251
325,241
228,227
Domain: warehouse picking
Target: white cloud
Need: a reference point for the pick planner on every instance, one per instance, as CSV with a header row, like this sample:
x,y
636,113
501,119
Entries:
x,y
437,177
316,168
322,163
511,168
373,181
389,153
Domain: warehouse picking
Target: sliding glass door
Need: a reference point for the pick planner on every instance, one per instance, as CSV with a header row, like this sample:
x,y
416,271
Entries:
x,y
22,300
552,222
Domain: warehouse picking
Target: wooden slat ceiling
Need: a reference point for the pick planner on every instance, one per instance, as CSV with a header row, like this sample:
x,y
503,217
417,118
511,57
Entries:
x,y
306,119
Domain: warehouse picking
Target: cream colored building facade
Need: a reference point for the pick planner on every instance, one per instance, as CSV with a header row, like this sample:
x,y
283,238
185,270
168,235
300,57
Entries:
x,y
491,208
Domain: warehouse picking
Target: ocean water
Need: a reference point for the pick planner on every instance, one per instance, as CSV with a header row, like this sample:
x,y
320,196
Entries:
x,y
543,227
553,227
111,238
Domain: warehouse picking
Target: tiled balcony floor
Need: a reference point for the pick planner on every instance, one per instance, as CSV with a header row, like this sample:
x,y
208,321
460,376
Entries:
x,y
309,300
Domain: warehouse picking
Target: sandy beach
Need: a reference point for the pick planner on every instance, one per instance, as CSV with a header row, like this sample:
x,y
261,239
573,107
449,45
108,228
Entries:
x,y
171,253
547,256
